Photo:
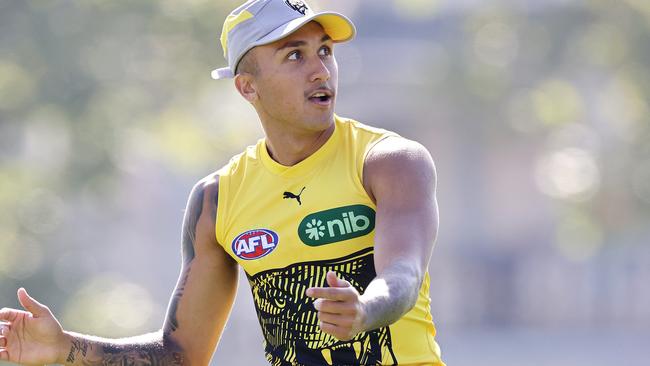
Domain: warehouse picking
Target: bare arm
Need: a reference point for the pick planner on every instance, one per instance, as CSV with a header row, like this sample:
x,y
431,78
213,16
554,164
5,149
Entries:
x,y
196,316
399,175
206,289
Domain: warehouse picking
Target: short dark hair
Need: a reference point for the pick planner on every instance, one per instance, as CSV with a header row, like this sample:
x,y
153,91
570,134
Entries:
x,y
247,64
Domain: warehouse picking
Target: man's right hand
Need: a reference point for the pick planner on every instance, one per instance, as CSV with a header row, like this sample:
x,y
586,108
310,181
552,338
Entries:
x,y
30,337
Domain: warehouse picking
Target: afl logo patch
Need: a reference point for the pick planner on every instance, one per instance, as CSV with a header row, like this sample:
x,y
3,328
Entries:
x,y
255,244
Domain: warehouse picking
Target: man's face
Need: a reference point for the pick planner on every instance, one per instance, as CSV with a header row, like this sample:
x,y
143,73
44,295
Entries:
x,y
297,79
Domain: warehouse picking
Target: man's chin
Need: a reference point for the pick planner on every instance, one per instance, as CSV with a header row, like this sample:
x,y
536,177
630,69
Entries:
x,y
322,120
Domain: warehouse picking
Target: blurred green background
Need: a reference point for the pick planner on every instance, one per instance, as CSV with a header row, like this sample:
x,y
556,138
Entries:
x,y
536,112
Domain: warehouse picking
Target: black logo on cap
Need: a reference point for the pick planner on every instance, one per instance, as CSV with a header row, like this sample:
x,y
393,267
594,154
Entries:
x,y
297,5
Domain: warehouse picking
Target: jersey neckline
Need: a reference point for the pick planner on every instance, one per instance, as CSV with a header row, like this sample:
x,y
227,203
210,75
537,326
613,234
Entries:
x,y
305,166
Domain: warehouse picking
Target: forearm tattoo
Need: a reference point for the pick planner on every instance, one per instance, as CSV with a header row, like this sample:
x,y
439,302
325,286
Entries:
x,y
153,355
157,352
90,353
78,346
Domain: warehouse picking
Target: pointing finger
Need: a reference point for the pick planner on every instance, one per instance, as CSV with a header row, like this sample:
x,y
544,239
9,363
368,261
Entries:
x,y
330,293
334,281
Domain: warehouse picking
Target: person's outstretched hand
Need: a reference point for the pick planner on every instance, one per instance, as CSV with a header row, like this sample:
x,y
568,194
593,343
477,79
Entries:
x,y
29,337
340,309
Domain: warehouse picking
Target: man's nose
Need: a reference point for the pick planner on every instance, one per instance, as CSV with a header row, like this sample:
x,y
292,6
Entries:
x,y
320,71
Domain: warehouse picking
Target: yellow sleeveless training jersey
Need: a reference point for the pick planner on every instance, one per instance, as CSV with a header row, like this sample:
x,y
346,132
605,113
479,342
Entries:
x,y
288,226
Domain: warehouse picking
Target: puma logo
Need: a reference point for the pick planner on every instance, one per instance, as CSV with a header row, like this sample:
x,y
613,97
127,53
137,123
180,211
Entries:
x,y
291,195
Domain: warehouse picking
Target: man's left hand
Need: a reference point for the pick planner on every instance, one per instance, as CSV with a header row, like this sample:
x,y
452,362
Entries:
x,y
340,308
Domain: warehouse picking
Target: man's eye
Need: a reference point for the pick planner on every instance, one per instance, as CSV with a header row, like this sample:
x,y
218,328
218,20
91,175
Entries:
x,y
294,55
325,51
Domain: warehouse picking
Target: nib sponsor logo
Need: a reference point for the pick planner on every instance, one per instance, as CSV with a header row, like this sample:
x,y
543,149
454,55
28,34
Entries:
x,y
255,244
337,224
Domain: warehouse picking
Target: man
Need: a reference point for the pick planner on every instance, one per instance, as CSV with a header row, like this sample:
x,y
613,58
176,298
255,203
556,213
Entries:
x,y
333,221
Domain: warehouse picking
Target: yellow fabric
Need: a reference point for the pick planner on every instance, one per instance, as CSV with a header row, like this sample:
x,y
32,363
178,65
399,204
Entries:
x,y
231,22
336,27
295,244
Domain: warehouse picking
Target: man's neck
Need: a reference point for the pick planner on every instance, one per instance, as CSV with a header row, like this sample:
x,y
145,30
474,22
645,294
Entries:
x,y
289,149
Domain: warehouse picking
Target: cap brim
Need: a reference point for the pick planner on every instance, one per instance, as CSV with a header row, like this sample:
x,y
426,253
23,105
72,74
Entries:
x,y
222,73
335,25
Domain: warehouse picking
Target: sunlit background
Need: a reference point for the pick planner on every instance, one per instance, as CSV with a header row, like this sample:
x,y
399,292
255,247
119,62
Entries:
x,y
536,112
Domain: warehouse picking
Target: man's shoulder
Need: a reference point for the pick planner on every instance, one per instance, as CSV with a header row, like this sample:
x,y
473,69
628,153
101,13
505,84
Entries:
x,y
207,185
210,180
363,127
396,150
397,158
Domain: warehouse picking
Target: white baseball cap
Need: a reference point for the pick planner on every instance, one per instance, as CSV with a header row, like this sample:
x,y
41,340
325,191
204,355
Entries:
x,y
260,22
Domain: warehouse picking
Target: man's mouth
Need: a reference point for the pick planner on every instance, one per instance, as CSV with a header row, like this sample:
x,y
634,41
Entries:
x,y
321,96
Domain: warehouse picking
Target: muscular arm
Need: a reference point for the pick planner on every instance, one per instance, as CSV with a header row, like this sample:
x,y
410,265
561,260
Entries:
x,y
198,309
399,175
207,286
196,316
149,349
201,302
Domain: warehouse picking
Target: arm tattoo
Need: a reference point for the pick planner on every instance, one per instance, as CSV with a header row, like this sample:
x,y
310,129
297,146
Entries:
x,y
172,323
78,346
193,213
150,354
156,352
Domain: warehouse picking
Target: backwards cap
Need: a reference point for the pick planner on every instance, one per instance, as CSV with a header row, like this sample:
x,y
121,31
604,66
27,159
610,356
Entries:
x,y
260,22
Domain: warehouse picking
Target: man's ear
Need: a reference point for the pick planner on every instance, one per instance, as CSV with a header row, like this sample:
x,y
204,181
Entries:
x,y
245,84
